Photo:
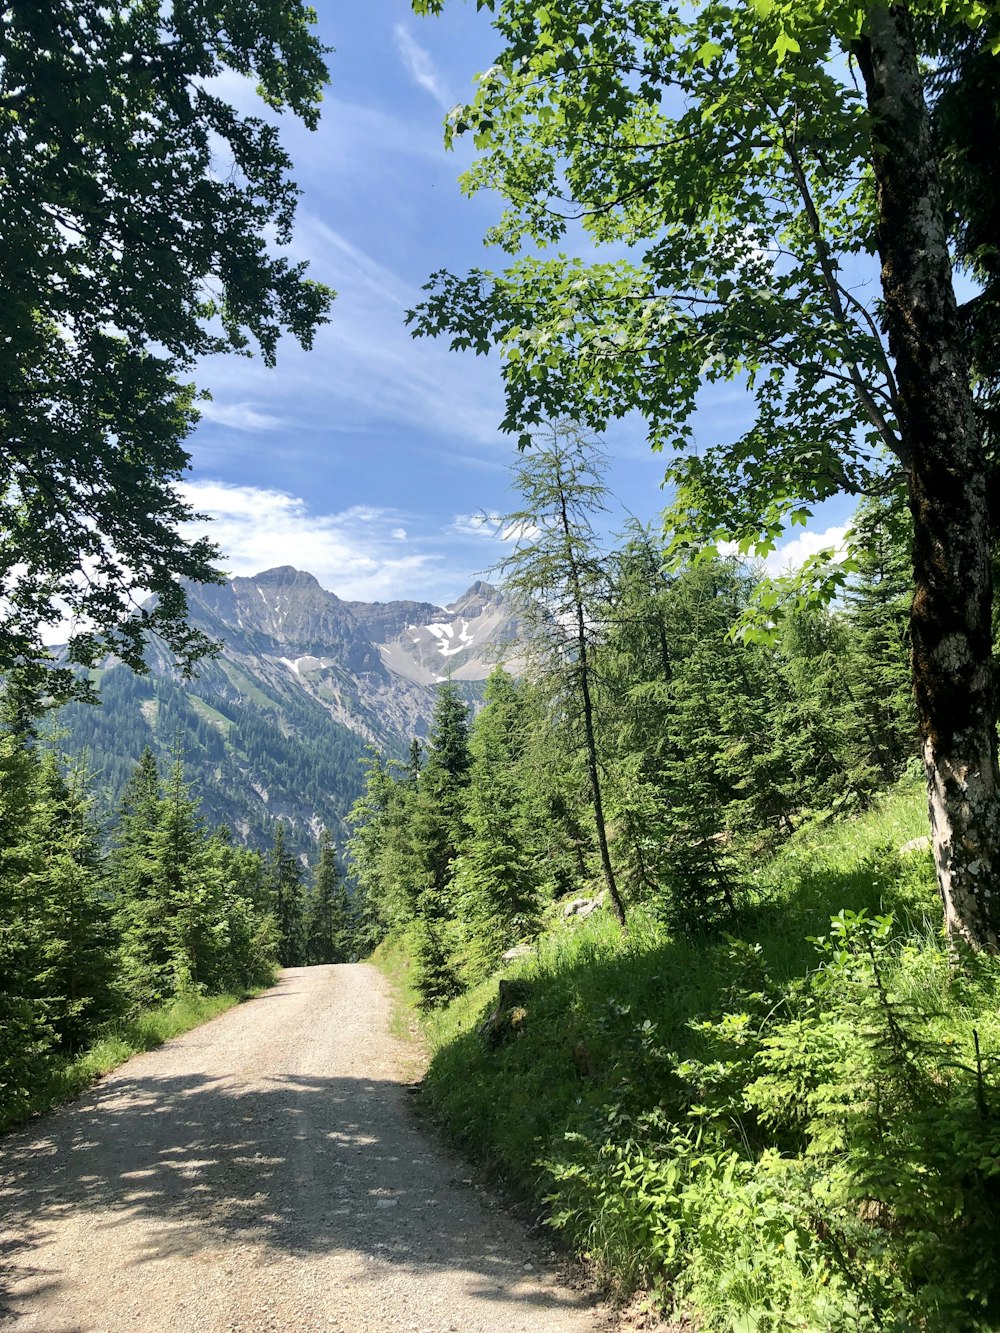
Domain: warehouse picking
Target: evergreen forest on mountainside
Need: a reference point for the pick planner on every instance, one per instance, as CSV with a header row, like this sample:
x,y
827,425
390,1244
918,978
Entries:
x,y
701,984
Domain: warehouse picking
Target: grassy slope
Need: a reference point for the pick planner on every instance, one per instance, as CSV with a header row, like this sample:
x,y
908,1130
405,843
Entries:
x,y
117,1042
610,1019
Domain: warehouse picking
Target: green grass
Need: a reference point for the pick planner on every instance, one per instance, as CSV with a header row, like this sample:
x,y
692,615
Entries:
x,y
210,714
245,684
627,1058
591,985
116,1042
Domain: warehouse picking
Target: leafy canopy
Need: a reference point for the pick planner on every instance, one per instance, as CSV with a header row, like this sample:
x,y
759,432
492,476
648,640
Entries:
x,y
717,155
140,209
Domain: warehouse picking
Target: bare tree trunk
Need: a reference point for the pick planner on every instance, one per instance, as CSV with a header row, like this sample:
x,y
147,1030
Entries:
x,y
951,617
583,668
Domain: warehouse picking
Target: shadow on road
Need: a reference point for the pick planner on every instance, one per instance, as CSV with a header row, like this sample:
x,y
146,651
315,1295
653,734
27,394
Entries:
x,y
299,1166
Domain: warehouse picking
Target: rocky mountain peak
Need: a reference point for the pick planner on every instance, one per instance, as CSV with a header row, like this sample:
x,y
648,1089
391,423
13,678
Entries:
x,y
476,599
285,576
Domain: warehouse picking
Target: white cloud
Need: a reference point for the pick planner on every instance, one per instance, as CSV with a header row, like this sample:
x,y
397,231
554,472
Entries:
x,y
419,65
793,554
398,534
240,416
353,553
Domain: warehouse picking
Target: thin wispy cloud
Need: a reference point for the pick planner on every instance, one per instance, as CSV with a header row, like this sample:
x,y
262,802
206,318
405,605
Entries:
x,y
418,64
239,416
364,366
493,527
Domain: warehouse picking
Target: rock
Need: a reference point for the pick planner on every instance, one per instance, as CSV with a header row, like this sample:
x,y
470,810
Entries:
x,y
915,845
584,906
518,951
577,905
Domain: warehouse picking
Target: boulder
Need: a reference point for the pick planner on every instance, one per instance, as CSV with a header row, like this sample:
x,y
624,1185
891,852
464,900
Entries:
x,y
583,906
915,845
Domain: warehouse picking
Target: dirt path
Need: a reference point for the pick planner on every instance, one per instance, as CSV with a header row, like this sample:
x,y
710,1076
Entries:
x,y
263,1174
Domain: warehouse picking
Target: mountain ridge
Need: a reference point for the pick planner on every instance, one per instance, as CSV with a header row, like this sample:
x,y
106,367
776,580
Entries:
x,y
303,684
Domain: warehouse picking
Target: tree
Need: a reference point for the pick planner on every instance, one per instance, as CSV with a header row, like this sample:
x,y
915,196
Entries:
x,y
327,912
496,879
729,147
74,964
140,916
380,848
188,890
130,248
436,831
283,877
879,599
560,581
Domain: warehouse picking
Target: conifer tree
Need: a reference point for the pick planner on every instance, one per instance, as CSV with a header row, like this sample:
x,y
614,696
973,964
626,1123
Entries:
x,y
187,889
560,580
879,598
140,911
74,959
287,896
496,881
380,848
250,933
436,833
26,1036
327,925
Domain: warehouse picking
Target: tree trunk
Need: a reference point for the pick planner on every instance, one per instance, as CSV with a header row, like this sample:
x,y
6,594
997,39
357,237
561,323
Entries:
x,y
951,617
583,667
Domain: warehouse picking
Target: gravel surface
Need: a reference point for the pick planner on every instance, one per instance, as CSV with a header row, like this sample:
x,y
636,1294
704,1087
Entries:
x,y
264,1174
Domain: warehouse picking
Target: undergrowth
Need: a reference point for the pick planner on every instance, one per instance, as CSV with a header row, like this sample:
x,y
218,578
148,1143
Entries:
x,y
66,1076
793,1126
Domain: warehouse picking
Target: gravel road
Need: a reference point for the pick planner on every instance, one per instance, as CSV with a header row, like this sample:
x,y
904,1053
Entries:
x,y
264,1174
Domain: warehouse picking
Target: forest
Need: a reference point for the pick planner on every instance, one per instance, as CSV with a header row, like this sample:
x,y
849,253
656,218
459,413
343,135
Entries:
x,y
116,933
734,1058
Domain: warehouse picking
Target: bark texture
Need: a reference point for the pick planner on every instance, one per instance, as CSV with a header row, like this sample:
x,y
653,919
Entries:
x,y
947,478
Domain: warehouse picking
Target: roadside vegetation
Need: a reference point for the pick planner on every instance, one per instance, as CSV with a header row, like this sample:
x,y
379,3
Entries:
x,y
65,1075
687,986
114,938
792,1124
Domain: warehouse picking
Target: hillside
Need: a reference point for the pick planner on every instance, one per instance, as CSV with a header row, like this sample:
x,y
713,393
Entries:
x,y
275,726
706,1116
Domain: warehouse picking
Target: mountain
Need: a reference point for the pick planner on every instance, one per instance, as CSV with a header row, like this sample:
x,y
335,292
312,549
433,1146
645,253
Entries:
x,y
275,726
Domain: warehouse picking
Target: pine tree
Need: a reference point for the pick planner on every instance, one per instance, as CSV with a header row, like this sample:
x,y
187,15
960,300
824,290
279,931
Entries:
x,y
140,910
879,601
187,890
27,1038
250,931
74,954
496,880
436,831
380,848
560,581
287,897
327,926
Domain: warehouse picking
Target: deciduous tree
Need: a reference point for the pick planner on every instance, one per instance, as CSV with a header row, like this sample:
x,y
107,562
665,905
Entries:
x,y
753,159
141,212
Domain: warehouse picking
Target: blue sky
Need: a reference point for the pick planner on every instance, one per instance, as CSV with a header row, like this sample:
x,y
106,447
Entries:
x,y
366,460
